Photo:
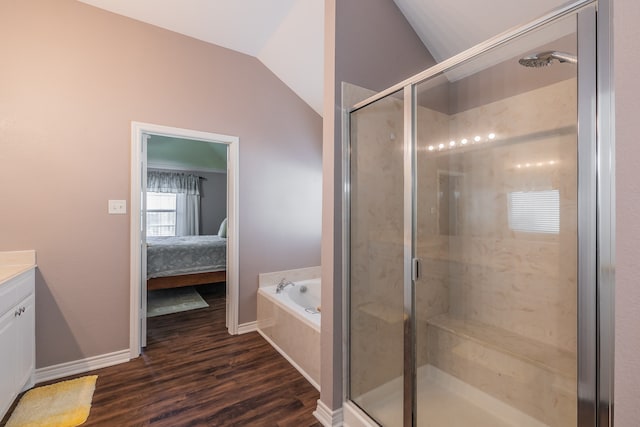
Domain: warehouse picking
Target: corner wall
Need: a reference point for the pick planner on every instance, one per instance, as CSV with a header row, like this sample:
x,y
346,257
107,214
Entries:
x,y
72,79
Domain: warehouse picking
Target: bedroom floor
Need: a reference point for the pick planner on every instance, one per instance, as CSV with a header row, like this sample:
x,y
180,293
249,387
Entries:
x,y
195,374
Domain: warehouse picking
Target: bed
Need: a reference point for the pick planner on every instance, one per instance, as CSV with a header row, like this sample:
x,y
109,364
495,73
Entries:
x,y
185,260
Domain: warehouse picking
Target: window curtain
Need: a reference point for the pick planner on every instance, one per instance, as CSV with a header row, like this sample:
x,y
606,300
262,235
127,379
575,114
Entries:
x,y
187,189
187,214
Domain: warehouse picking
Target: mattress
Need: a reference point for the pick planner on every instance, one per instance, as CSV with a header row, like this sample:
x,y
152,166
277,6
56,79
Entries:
x,y
174,256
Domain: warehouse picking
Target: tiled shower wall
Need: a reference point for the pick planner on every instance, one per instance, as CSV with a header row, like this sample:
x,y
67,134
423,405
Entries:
x,y
497,307
519,281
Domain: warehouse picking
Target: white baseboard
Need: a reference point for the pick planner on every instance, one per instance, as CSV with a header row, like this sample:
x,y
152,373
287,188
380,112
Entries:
x,y
81,366
326,416
247,327
290,360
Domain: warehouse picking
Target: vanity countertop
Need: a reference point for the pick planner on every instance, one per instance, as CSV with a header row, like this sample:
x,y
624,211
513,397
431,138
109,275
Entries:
x,y
13,263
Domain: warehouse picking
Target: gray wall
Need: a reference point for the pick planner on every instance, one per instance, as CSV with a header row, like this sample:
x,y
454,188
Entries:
x,y
213,201
72,79
369,44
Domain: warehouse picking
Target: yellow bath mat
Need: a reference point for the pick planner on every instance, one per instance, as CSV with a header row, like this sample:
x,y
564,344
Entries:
x,y
64,404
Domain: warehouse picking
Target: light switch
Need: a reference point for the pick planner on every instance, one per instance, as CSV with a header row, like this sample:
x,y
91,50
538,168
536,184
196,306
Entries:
x,y
118,207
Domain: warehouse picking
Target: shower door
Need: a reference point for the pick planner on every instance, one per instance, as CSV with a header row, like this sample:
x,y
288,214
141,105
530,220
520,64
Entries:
x,y
471,245
496,235
377,258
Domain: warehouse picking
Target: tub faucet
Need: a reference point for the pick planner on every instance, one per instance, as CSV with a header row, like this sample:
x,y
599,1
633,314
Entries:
x,y
283,284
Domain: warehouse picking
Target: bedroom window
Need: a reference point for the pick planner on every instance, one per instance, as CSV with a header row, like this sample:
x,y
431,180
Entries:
x,y
161,214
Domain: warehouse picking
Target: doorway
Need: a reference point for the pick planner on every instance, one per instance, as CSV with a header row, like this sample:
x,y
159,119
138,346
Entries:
x,y
141,132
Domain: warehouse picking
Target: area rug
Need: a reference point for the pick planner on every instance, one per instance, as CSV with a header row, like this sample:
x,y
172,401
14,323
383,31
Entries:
x,y
174,300
63,404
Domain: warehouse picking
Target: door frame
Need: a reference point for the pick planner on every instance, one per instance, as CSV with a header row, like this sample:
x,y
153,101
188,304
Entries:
x,y
138,167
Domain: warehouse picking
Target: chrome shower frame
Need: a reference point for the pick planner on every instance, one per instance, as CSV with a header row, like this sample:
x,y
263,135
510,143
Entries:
x,y
596,207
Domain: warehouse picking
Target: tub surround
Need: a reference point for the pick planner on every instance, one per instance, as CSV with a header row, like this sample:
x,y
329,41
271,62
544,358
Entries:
x,y
292,332
286,302
293,339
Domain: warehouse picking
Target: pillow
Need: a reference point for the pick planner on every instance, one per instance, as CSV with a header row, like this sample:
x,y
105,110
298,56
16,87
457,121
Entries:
x,y
222,232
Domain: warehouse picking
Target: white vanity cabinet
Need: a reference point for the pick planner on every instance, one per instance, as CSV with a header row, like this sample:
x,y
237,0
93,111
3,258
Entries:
x,y
17,336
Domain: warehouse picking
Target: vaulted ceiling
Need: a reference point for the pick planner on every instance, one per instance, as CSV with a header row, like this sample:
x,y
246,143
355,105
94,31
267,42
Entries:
x,y
287,35
448,27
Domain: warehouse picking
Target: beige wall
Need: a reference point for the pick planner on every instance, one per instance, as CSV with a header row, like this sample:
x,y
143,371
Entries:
x,y
627,93
72,78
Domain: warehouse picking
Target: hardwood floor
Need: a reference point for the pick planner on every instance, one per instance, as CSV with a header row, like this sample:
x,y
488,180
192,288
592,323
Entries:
x,y
193,373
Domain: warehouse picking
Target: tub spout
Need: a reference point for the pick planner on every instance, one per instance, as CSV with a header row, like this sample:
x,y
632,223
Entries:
x,y
283,284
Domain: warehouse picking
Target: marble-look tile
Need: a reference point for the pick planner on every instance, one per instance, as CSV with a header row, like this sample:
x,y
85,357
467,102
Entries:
x,y
546,357
376,348
299,341
377,246
532,389
522,282
352,94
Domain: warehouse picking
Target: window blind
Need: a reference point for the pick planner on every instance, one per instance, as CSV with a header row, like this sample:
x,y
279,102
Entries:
x,y
535,211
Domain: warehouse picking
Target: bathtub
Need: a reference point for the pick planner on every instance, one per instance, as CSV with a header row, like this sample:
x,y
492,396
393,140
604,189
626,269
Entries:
x,y
290,322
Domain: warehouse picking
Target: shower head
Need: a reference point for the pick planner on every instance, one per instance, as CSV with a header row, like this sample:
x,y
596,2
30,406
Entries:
x,y
543,59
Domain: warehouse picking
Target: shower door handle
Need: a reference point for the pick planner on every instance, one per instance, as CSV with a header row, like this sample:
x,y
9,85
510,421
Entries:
x,y
415,269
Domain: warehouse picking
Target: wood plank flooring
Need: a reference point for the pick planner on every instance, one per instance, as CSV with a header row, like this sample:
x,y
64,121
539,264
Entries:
x,y
193,373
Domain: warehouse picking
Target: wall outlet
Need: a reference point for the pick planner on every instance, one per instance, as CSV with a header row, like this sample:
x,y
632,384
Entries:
x,y
117,207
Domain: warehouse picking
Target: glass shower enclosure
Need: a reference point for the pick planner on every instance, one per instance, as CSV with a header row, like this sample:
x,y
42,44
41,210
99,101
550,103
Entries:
x,y
470,246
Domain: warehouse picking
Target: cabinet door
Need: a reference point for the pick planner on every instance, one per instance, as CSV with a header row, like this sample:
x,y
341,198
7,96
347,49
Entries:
x,y
25,329
8,355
